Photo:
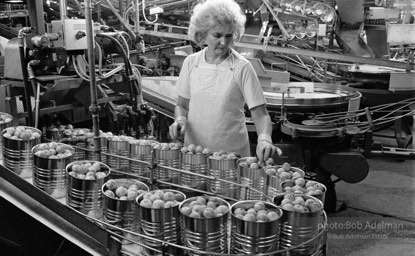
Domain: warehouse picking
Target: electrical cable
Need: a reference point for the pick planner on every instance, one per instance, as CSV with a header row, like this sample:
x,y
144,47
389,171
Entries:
x,y
99,58
128,69
120,36
141,66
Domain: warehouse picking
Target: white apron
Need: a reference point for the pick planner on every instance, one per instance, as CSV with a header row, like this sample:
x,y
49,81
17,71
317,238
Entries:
x,y
216,117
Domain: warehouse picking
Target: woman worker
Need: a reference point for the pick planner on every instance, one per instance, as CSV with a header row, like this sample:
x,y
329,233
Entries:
x,y
215,83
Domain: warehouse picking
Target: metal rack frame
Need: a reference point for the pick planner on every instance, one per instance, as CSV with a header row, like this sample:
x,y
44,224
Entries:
x,y
97,236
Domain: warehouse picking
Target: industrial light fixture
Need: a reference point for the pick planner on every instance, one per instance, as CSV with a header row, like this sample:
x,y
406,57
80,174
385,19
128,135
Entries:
x,y
14,1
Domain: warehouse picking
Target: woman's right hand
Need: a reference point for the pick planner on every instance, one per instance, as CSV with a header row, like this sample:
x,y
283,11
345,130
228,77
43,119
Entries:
x,y
178,128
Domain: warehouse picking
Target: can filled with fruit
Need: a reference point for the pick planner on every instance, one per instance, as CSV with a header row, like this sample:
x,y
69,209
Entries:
x,y
49,163
5,122
300,222
84,190
194,160
254,227
305,187
223,165
118,146
275,175
53,134
17,149
141,150
76,137
167,154
251,175
120,208
90,143
205,224
159,215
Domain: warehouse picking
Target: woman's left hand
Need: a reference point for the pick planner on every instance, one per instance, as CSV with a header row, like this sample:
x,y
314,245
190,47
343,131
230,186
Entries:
x,y
265,150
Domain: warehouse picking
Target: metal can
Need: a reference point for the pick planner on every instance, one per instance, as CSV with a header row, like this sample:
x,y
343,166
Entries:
x,y
225,169
299,227
318,189
90,144
141,152
258,236
162,224
123,212
5,122
53,134
85,195
76,137
170,158
17,152
49,174
118,146
273,181
252,180
194,163
205,234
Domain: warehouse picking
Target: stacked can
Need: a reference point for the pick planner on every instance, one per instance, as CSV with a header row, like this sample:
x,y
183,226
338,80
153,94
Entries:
x,y
76,137
118,146
5,122
300,222
223,166
255,227
49,163
205,224
120,208
17,149
141,150
194,160
252,178
160,219
84,190
167,154
275,175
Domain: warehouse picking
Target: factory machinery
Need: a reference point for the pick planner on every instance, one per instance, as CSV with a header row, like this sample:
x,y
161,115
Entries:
x,y
117,64
290,44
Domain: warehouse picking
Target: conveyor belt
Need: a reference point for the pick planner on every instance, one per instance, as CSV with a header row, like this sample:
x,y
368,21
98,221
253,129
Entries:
x,y
56,215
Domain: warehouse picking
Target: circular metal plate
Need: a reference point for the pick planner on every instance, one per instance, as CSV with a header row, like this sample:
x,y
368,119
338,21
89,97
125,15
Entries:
x,y
300,126
324,95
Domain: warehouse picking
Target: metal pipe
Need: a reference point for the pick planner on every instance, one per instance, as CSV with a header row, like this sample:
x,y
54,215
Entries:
x,y
32,77
36,16
62,9
137,17
27,103
94,108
